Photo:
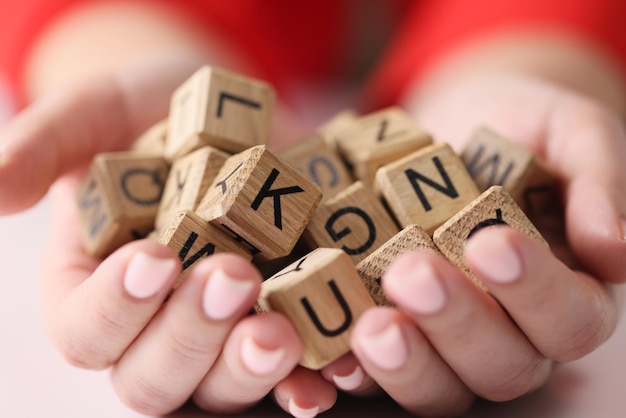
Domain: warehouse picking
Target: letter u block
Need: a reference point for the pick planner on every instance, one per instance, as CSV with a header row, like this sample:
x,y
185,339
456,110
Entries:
x,y
262,200
218,108
426,187
495,206
323,296
118,200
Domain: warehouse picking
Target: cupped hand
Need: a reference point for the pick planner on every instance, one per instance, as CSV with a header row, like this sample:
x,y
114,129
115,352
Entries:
x,y
446,341
115,313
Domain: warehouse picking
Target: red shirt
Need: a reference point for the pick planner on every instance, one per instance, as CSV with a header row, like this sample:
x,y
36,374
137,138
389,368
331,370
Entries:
x,y
300,40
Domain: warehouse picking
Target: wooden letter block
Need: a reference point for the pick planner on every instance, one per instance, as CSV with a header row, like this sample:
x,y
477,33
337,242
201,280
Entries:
x,y
221,109
152,142
118,200
313,158
426,187
378,139
493,207
340,122
323,297
193,239
371,269
493,160
188,182
354,220
262,200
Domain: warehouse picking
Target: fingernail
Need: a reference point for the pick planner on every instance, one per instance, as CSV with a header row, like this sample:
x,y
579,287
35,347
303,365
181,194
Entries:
x,y
299,412
259,360
147,275
494,257
421,290
224,295
351,381
387,348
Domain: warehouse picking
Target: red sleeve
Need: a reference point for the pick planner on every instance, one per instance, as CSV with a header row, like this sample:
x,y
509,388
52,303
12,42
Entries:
x,y
283,39
433,28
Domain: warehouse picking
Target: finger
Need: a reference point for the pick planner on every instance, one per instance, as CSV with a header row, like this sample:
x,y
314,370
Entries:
x,y
565,314
93,312
400,359
260,351
466,326
66,129
587,146
305,393
190,331
347,374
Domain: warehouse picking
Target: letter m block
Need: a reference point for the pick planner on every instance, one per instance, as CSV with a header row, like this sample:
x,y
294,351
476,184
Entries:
x,y
118,199
323,296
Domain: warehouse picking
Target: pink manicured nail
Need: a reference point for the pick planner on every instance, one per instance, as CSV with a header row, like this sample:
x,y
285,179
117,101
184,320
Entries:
x,y
387,348
259,360
299,412
494,257
147,275
421,290
351,381
224,295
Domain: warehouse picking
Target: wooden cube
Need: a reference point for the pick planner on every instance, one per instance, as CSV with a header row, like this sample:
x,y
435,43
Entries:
x,y
340,122
372,268
262,200
323,297
193,239
118,200
313,158
218,108
426,187
355,220
492,159
493,207
378,139
188,182
152,142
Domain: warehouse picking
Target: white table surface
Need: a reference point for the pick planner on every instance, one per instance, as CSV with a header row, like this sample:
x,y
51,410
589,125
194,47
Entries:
x,y
35,382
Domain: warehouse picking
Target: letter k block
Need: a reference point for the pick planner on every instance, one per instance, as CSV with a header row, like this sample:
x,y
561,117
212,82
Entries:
x,y
323,296
262,200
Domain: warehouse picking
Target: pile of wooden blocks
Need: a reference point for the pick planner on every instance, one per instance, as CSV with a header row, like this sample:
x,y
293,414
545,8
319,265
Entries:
x,y
323,219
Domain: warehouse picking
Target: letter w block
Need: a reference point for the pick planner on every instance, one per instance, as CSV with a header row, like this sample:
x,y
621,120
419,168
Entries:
x,y
118,199
323,296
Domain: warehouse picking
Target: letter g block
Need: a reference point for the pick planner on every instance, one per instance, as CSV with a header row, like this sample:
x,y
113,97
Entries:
x,y
323,296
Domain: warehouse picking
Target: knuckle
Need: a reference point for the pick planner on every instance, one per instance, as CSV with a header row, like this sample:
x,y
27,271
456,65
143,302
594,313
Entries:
x,y
519,379
192,348
143,396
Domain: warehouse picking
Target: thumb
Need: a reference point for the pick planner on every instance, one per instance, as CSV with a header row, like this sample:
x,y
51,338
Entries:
x,y
65,129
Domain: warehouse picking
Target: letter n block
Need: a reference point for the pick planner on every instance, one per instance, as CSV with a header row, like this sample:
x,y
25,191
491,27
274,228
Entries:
x,y
493,160
323,297
188,182
118,200
319,163
378,139
355,220
152,141
426,187
493,207
218,108
262,200
372,268
193,239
